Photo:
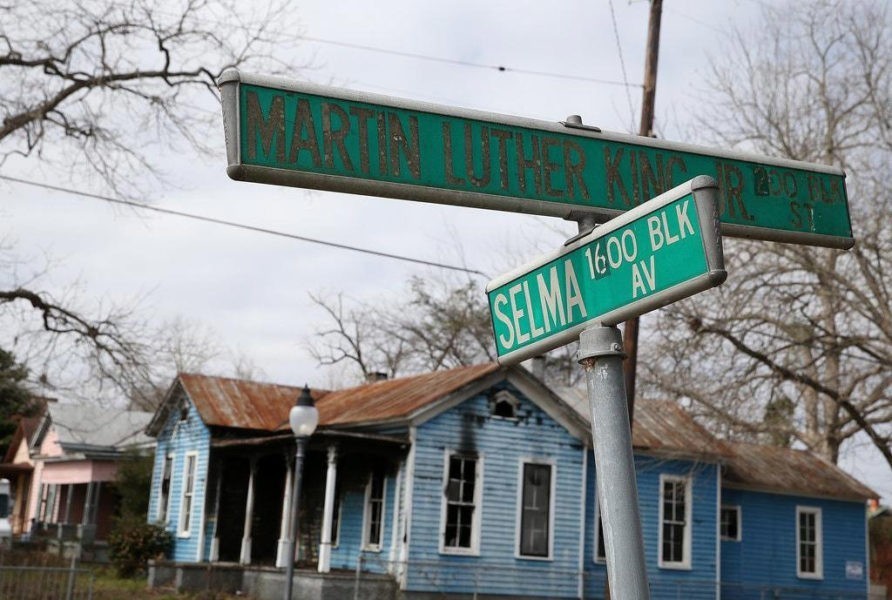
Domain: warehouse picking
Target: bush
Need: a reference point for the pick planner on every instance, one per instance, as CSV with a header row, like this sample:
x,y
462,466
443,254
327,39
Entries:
x,y
132,542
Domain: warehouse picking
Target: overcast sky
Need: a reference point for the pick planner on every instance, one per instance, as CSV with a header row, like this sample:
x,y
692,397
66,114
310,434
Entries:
x,y
252,290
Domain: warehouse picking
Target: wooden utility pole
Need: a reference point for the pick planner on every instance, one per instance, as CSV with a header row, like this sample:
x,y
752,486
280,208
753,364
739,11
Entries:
x,y
630,333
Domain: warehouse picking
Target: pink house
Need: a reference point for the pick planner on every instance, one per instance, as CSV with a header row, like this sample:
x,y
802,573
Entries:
x,y
75,452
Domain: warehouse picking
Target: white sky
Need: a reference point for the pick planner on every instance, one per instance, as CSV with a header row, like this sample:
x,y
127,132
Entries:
x,y
252,289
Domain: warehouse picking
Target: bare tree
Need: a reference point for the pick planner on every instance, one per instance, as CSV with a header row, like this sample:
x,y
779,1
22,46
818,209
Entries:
x,y
437,323
105,85
103,88
797,345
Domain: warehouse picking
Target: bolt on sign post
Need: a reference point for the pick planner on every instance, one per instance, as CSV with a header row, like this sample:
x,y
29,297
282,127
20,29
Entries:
x,y
661,251
286,132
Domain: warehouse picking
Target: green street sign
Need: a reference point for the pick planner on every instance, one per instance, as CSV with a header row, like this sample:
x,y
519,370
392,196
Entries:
x,y
664,250
293,133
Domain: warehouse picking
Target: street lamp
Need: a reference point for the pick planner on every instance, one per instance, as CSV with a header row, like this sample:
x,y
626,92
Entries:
x,y
303,419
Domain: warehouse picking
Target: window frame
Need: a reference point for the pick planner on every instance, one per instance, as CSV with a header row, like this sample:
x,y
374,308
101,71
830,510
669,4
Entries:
x,y
474,548
685,563
598,533
163,513
818,573
518,533
739,519
367,544
190,463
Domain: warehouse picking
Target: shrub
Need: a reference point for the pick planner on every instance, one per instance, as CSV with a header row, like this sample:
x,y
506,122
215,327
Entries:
x,y
132,542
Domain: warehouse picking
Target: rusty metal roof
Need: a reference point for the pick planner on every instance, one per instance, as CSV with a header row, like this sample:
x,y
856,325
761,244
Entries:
x,y
226,402
792,471
660,426
396,399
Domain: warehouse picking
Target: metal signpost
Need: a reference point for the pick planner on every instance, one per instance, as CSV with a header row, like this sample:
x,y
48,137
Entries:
x,y
287,132
661,245
664,250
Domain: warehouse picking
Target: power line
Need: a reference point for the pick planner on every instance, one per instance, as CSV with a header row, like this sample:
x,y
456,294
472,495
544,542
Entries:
x,y
464,63
622,62
177,213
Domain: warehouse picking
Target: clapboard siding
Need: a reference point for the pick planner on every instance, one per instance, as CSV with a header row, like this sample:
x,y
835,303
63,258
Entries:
x,y
349,546
766,554
704,491
699,580
502,445
180,437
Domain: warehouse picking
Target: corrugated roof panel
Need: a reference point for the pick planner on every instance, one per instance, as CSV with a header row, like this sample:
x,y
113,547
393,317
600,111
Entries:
x,y
396,398
659,426
226,402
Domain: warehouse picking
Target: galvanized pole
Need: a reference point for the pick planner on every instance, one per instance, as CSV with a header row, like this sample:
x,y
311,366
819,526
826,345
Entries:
x,y
601,355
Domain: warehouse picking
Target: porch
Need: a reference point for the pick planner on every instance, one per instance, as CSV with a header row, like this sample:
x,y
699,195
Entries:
x,y
248,505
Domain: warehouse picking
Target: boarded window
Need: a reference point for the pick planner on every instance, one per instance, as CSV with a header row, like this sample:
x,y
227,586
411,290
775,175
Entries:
x,y
535,518
374,509
461,503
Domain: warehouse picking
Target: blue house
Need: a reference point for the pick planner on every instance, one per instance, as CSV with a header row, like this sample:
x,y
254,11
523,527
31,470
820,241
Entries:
x,y
481,481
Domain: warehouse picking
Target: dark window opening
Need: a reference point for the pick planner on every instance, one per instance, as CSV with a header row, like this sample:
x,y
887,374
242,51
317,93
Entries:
x,y
536,507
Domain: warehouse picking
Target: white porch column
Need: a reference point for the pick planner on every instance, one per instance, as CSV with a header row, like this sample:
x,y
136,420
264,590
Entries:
x,y
331,476
215,541
245,557
285,526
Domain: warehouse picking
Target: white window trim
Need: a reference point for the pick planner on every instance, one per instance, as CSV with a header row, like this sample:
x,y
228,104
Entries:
x,y
686,547
474,550
819,543
164,503
366,513
595,559
519,513
735,508
181,532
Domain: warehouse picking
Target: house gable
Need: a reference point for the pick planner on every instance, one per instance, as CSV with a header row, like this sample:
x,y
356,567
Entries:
x,y
523,385
184,440
498,447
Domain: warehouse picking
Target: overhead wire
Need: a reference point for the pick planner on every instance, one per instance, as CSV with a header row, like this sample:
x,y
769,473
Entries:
x,y
466,63
253,228
622,62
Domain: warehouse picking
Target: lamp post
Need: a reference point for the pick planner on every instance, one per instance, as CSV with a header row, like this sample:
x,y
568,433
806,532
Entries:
x,y
303,419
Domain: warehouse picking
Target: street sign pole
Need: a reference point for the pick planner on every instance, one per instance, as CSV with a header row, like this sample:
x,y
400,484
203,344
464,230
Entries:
x,y
664,250
601,355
